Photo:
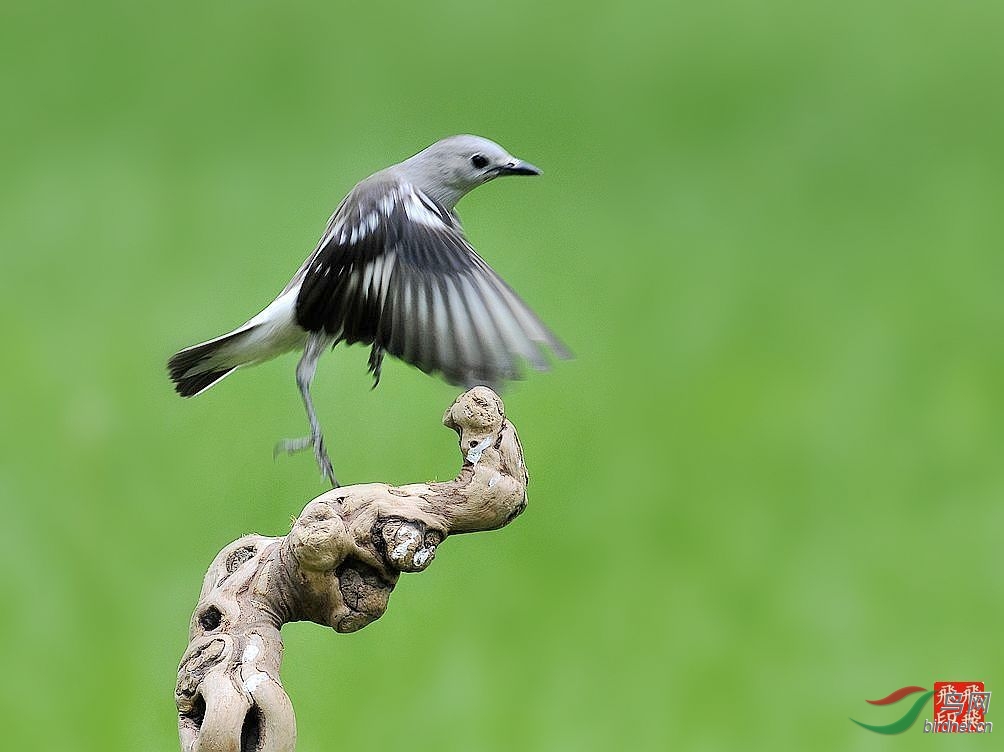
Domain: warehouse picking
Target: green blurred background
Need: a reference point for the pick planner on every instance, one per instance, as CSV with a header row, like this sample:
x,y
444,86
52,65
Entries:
x,y
769,487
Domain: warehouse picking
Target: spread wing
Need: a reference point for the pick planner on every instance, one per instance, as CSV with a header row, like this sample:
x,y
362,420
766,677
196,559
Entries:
x,y
394,269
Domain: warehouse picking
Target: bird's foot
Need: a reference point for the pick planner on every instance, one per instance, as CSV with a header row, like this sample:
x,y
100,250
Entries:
x,y
293,446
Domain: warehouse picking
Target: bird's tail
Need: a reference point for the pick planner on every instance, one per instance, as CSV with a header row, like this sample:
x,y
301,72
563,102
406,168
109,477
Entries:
x,y
196,368
272,332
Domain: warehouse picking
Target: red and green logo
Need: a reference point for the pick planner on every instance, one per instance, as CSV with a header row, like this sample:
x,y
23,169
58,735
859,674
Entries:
x,y
959,708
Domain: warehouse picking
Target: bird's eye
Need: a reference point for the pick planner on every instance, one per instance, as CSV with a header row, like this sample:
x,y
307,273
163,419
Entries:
x,y
479,161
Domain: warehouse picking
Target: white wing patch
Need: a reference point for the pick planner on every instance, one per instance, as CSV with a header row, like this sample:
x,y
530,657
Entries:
x,y
417,211
367,225
389,260
388,202
370,272
333,229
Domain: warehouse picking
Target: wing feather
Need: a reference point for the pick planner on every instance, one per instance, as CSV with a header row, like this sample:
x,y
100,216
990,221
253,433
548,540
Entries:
x,y
394,269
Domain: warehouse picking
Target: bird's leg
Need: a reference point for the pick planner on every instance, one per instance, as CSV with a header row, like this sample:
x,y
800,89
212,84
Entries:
x,y
305,371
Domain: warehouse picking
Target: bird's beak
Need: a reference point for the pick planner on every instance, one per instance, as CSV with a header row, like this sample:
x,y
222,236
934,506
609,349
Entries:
x,y
518,167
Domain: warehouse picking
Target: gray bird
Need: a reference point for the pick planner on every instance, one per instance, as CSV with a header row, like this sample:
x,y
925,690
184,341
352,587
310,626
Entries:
x,y
393,270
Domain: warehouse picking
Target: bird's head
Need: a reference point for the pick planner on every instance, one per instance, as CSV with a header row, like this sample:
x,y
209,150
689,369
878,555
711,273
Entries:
x,y
454,166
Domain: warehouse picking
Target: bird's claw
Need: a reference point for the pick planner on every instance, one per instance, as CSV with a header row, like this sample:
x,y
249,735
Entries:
x,y
293,446
324,462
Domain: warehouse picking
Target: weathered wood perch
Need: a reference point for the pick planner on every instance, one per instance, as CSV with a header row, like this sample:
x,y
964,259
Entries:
x,y
337,567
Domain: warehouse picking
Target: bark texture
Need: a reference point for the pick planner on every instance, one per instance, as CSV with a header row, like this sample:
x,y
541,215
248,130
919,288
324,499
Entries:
x,y
336,567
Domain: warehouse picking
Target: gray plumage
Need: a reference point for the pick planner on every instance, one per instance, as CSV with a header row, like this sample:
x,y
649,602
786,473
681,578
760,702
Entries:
x,y
393,270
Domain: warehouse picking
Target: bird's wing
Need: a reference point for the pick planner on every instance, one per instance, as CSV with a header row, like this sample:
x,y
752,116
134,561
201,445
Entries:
x,y
394,269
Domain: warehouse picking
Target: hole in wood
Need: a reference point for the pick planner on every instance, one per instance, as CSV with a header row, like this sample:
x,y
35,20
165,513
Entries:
x,y
210,618
251,730
198,712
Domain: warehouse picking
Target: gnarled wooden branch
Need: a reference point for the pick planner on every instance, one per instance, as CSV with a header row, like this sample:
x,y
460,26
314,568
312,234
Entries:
x,y
337,567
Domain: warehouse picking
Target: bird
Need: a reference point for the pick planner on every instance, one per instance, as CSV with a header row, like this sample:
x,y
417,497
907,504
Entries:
x,y
394,270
